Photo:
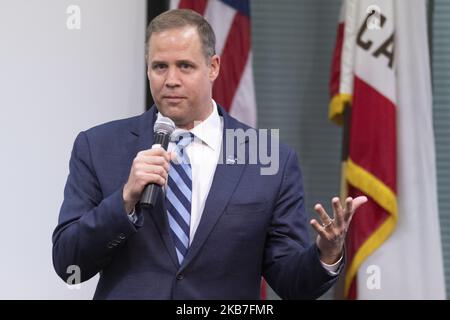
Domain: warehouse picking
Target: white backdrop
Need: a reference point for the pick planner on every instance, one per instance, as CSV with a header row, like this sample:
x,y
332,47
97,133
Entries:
x,y
55,82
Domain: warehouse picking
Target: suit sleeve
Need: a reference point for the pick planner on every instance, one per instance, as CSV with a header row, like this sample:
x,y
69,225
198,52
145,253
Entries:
x,y
91,226
291,264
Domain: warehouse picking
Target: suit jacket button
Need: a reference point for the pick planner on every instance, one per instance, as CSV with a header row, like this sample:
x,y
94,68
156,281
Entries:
x,y
180,276
121,236
111,245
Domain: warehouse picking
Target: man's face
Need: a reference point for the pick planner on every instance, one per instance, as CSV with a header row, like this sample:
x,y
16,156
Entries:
x,y
180,76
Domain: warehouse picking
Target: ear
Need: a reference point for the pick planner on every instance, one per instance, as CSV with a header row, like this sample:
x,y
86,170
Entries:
x,y
148,72
214,67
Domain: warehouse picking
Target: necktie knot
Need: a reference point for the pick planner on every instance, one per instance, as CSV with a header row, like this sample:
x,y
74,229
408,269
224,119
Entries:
x,y
182,141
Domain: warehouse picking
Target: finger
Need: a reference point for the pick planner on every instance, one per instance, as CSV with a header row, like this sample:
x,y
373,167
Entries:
x,y
322,213
155,160
153,152
337,211
158,151
172,156
318,227
152,159
147,178
159,170
348,208
156,178
164,154
359,201
150,169
167,156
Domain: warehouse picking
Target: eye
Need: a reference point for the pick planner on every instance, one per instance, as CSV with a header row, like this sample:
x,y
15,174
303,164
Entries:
x,y
159,66
185,66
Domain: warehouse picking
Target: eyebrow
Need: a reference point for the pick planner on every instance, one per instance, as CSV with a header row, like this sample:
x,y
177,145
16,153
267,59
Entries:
x,y
158,62
177,62
186,61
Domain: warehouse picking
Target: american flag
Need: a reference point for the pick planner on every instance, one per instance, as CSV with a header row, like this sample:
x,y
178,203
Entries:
x,y
230,19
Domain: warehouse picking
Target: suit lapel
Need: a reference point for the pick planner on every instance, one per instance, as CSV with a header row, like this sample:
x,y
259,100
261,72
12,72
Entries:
x,y
158,213
226,178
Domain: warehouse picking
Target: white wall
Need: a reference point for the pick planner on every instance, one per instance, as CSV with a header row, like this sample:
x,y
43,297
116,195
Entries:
x,y
55,82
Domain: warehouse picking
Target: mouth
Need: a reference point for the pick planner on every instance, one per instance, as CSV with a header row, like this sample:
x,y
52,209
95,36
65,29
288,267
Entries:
x,y
173,99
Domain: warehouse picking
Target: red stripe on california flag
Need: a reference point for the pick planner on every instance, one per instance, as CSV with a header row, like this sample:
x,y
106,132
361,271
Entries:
x,y
373,134
336,63
233,60
363,225
196,5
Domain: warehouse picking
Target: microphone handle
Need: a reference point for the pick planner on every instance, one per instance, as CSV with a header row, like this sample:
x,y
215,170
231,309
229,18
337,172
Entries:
x,y
151,191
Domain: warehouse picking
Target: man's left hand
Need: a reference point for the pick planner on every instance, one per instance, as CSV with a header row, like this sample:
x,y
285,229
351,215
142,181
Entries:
x,y
332,231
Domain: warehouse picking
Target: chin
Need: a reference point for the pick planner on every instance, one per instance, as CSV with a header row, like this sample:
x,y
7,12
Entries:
x,y
175,114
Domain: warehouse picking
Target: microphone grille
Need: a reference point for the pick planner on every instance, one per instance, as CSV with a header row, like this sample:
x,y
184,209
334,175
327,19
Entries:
x,y
164,125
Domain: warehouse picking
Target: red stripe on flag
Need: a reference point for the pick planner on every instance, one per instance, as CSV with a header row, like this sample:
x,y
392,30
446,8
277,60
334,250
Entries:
x,y
336,63
373,133
233,60
196,5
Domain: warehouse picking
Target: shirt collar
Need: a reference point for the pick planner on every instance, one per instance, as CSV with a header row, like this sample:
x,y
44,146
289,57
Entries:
x,y
209,131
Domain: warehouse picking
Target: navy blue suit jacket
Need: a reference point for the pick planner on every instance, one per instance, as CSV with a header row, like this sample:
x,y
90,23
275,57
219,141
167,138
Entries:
x,y
252,225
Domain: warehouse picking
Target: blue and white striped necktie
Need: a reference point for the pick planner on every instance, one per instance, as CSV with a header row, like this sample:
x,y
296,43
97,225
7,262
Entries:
x,y
179,196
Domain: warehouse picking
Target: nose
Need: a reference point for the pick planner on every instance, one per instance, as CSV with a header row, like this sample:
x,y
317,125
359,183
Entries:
x,y
172,79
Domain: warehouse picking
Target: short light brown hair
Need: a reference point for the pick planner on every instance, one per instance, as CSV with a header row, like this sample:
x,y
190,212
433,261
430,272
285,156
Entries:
x,y
179,18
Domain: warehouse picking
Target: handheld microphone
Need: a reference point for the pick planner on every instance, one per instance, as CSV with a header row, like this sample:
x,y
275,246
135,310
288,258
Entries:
x,y
163,128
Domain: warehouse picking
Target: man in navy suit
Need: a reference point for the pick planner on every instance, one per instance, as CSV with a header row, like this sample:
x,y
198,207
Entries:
x,y
218,225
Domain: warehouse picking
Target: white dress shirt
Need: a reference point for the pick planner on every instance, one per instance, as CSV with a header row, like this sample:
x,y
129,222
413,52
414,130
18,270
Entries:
x,y
203,153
